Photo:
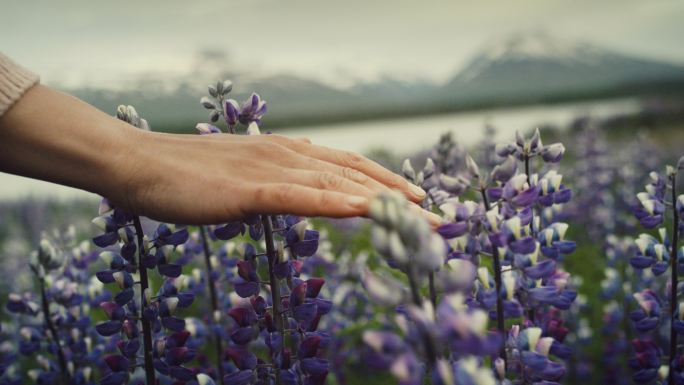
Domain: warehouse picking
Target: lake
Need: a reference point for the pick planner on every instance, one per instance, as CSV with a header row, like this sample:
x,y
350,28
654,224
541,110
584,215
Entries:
x,y
404,135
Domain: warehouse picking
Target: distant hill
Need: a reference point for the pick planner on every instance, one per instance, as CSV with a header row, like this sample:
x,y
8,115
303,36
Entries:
x,y
523,69
537,67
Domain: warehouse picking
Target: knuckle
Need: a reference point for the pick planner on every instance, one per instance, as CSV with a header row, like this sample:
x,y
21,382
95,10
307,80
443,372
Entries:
x,y
325,199
354,175
328,180
260,194
396,182
271,148
351,159
282,140
283,194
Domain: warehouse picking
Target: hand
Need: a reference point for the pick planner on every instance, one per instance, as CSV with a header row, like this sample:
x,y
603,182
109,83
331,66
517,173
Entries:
x,y
220,177
188,179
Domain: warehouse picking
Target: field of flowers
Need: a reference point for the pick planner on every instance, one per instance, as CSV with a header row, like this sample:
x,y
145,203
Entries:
x,y
541,273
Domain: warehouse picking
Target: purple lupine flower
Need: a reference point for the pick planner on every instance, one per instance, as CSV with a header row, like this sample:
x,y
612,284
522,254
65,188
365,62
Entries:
x,y
648,316
460,218
553,153
650,207
551,190
647,361
650,253
252,110
231,112
519,193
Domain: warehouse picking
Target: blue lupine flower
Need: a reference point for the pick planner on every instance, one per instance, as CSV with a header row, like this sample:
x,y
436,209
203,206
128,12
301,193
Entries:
x,y
648,316
650,253
252,110
647,361
551,191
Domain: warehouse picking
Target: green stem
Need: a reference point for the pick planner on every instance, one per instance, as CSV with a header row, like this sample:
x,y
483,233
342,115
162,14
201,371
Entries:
x,y
144,285
273,281
530,311
430,350
496,262
53,331
674,280
214,300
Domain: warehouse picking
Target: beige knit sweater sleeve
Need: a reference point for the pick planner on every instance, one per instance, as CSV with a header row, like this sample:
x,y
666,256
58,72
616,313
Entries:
x,y
14,82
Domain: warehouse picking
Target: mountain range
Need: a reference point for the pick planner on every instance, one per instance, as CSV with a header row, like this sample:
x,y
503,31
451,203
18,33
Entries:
x,y
522,69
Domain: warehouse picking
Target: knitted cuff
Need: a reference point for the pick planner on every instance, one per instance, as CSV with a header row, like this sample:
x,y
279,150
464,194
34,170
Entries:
x,y
14,82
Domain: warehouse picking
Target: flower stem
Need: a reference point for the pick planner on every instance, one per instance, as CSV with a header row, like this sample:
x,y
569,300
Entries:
x,y
53,332
214,300
144,285
530,311
496,262
674,281
275,289
432,290
430,350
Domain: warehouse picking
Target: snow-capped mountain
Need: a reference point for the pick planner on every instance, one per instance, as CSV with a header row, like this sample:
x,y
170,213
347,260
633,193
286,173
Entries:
x,y
538,66
522,69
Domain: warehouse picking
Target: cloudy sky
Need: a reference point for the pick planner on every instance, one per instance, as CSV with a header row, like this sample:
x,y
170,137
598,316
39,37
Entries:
x,y
72,43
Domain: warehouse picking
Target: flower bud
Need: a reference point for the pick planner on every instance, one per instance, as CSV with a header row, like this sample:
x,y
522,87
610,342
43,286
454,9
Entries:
x,y
214,116
212,90
504,171
407,170
452,184
231,112
553,153
504,150
253,129
519,140
227,86
429,168
471,167
206,128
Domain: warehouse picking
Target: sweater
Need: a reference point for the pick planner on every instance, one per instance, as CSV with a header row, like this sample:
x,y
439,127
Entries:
x,y
14,82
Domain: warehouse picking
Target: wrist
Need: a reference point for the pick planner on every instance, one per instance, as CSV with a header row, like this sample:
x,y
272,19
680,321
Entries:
x,y
122,163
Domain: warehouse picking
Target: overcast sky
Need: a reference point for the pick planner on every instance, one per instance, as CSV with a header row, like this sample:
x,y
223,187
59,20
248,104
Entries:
x,y
71,43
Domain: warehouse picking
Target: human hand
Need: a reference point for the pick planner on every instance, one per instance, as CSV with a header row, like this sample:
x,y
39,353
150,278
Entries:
x,y
221,177
188,179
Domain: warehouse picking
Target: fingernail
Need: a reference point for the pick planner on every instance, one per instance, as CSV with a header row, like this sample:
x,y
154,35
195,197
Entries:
x,y
418,191
357,201
433,218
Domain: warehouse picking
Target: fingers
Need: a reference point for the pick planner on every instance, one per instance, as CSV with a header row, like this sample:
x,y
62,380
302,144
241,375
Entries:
x,y
432,218
357,162
304,140
282,198
301,162
322,180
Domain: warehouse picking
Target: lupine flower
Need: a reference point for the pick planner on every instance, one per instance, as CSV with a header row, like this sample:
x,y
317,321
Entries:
x,y
651,253
647,361
648,316
650,208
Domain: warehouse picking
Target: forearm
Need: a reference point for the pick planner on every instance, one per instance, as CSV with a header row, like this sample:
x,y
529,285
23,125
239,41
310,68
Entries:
x,y
55,137
188,179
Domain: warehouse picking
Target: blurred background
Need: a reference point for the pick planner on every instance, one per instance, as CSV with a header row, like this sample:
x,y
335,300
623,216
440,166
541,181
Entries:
x,y
359,75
